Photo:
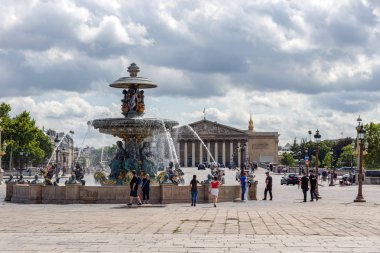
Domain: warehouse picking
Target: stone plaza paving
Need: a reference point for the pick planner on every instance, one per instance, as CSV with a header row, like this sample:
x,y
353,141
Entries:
x,y
286,224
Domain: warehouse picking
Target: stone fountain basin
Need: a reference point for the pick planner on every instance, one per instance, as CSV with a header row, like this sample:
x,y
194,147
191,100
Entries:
x,y
78,194
121,126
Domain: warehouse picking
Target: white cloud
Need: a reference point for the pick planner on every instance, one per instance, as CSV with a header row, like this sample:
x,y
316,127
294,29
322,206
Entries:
x,y
294,65
112,31
48,58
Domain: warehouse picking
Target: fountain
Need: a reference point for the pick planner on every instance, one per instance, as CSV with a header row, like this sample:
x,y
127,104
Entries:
x,y
142,147
135,150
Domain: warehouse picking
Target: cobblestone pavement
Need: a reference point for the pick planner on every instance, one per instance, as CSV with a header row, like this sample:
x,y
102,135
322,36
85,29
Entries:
x,y
286,224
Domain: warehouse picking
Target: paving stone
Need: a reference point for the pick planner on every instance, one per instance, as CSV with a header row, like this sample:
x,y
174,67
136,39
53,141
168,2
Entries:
x,y
333,224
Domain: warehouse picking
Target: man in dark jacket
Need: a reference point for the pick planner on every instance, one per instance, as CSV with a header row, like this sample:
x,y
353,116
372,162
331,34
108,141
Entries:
x,y
304,183
268,186
134,185
313,186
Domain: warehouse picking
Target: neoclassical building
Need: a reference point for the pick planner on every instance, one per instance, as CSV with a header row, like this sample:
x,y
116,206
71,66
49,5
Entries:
x,y
226,144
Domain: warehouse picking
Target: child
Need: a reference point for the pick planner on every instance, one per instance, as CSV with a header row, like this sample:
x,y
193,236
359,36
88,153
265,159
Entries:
x,y
215,190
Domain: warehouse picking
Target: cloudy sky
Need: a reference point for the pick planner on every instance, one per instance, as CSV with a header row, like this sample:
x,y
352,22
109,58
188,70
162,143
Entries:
x,y
295,65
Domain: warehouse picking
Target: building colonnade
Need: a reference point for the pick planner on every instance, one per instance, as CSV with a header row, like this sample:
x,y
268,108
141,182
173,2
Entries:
x,y
224,151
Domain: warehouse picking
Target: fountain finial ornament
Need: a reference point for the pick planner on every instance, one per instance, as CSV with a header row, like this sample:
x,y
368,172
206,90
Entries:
x,y
133,69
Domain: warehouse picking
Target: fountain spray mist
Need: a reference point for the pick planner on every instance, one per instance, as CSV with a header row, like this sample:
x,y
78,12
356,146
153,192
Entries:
x,y
199,138
56,148
89,124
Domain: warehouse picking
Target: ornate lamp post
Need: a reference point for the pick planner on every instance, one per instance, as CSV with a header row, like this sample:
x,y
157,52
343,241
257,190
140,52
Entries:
x,y
317,139
56,142
72,148
299,162
352,155
332,168
20,164
361,135
2,153
242,156
307,161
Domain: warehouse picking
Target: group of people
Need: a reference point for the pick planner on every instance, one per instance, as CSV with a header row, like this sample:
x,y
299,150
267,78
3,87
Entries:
x,y
306,184
213,190
134,184
309,183
215,183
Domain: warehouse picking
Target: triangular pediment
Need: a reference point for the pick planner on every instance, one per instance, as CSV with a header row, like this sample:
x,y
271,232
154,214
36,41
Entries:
x,y
206,127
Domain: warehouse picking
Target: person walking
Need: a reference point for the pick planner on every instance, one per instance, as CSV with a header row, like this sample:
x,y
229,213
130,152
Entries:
x,y
145,187
194,191
243,183
304,183
268,187
313,186
215,190
223,179
134,185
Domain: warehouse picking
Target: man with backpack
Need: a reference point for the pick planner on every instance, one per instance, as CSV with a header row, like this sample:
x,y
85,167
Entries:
x,y
134,185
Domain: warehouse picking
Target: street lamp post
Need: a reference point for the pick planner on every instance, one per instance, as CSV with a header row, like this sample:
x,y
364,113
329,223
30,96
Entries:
x,y
2,152
332,173
242,158
20,164
317,138
352,155
26,161
299,162
307,161
72,148
361,135
56,142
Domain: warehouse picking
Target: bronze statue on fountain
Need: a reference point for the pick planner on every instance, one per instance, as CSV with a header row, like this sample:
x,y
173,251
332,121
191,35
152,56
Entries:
x,y
48,174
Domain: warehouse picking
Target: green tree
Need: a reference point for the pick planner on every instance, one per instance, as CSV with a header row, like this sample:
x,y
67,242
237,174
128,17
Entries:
x,y
324,150
345,158
372,136
108,154
327,160
287,159
5,109
340,144
295,147
26,143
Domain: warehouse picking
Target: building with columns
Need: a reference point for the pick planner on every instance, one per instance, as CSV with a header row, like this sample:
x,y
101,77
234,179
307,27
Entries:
x,y
225,145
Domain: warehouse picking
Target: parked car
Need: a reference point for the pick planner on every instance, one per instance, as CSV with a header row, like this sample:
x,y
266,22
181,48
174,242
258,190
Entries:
x,y
290,178
206,164
348,169
201,166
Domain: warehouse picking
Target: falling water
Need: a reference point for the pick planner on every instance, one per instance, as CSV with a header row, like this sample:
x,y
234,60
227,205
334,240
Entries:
x,y
173,148
89,123
55,149
170,143
204,145
101,156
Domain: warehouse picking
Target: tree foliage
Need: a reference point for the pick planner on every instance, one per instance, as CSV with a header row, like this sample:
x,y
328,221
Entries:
x,y
287,159
108,154
346,157
25,142
372,136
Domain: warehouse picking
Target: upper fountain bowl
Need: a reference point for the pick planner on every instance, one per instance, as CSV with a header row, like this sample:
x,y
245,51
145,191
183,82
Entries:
x,y
133,81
